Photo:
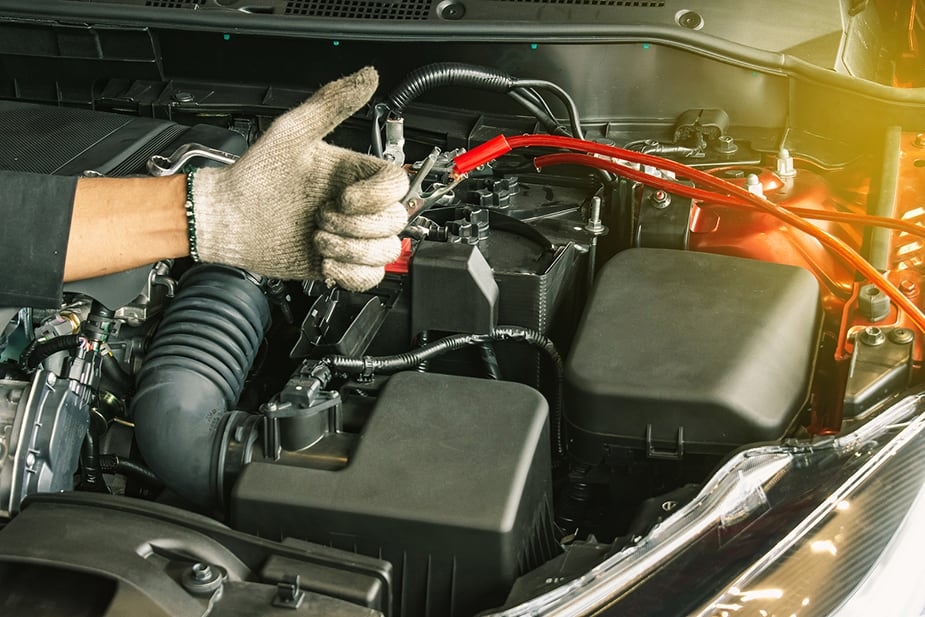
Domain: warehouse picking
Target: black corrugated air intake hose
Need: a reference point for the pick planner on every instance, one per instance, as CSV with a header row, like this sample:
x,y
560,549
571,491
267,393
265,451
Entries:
x,y
411,359
193,374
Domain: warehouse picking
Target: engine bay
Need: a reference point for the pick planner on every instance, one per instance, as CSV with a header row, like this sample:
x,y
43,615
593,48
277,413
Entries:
x,y
589,318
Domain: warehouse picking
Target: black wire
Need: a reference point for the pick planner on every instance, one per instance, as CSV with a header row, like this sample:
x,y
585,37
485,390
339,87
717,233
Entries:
x,y
36,352
538,98
442,74
410,359
548,122
562,95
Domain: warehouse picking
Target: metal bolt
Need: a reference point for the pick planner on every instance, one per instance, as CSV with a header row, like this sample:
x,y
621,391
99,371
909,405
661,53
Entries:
x,y
201,572
594,217
919,140
201,579
726,144
183,97
660,199
907,287
30,460
873,336
902,336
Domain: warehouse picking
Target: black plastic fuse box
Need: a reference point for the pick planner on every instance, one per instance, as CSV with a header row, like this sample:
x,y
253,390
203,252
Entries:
x,y
450,482
690,352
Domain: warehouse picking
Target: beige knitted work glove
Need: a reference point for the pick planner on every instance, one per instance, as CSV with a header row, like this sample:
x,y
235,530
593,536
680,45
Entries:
x,y
295,207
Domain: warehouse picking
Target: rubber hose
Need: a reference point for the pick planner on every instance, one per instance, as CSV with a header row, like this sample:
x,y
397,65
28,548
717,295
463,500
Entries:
x,y
112,463
193,374
442,74
115,379
36,352
490,360
409,360
91,472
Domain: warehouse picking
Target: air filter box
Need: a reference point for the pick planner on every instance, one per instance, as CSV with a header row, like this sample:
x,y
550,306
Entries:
x,y
450,482
690,352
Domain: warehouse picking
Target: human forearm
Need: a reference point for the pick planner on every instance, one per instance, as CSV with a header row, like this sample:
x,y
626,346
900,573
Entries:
x,y
123,223
292,207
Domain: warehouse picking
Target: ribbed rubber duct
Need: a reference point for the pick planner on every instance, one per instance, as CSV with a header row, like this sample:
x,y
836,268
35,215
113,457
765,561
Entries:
x,y
193,374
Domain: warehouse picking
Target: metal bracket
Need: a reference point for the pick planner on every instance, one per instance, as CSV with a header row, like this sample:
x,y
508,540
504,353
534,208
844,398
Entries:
x,y
289,593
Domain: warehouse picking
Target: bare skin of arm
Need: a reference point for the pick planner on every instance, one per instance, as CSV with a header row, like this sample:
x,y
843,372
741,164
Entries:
x,y
124,223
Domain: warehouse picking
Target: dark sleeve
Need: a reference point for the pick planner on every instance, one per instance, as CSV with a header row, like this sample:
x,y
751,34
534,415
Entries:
x,y
35,219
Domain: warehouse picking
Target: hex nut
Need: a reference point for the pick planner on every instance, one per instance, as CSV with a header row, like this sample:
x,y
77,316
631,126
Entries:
x,y
873,303
872,336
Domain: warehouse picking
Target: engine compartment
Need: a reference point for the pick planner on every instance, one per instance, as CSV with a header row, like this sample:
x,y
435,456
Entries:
x,y
556,350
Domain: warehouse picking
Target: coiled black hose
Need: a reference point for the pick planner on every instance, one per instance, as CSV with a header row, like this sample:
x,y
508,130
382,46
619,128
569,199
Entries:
x,y
411,359
36,351
193,373
442,74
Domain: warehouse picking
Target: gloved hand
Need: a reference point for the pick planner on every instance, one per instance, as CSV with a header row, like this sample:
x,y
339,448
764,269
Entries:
x,y
295,207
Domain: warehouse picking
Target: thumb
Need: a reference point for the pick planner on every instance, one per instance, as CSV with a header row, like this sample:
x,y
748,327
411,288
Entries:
x,y
327,108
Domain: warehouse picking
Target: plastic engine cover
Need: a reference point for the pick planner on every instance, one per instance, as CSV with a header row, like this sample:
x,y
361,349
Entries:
x,y
450,482
690,352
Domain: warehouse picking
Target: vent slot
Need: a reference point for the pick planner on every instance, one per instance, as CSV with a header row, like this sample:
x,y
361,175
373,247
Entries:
x,y
626,3
174,4
406,10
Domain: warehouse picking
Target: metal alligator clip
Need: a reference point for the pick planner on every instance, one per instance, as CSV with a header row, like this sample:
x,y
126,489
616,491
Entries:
x,y
416,201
